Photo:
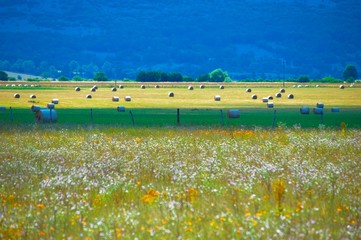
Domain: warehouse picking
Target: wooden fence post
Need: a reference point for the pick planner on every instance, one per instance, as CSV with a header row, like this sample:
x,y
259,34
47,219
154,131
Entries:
x,y
178,117
131,115
222,119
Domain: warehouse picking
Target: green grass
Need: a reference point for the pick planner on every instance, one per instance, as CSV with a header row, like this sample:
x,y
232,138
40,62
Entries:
x,y
149,117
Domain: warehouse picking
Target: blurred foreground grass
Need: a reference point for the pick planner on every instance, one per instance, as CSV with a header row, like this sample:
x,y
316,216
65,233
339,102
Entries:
x,y
171,183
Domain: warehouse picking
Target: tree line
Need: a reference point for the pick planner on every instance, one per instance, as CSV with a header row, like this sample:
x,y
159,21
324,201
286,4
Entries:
x,y
349,74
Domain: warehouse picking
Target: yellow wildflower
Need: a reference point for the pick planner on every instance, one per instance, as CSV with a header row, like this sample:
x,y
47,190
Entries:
x,y
150,196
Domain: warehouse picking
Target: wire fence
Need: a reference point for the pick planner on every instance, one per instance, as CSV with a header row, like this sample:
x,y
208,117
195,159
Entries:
x,y
148,117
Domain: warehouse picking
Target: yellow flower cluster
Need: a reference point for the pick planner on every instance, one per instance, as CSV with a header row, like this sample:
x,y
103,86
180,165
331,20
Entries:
x,y
150,196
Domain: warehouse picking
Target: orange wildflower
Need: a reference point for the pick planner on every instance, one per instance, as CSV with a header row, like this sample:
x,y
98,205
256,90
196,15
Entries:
x,y
150,196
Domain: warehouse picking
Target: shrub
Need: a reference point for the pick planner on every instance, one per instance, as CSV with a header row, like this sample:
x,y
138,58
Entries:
x,y
350,73
63,78
187,79
100,76
329,79
77,78
218,75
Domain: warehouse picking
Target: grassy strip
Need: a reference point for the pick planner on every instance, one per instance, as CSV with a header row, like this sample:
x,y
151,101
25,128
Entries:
x,y
191,117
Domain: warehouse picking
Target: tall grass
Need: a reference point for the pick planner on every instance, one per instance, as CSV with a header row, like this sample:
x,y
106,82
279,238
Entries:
x,y
108,183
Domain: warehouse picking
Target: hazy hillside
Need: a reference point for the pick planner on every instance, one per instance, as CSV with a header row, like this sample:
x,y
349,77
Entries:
x,y
246,38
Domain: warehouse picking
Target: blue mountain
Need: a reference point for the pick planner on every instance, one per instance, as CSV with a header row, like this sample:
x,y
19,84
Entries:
x,y
248,39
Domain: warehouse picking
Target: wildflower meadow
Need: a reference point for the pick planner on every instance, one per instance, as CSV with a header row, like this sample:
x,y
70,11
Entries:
x,y
179,183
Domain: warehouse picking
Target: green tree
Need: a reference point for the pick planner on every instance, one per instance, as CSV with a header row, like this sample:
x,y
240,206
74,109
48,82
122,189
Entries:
x,y
187,79
77,78
3,76
350,73
100,76
329,79
151,76
175,77
63,78
203,78
218,75
303,79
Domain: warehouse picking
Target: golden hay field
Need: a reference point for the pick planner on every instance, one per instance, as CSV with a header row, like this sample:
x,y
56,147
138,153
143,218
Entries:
x,y
232,96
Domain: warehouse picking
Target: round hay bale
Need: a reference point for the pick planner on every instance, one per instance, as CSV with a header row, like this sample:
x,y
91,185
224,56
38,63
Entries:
x,y
190,87
254,96
32,96
16,95
248,90
270,98
142,86
115,99
270,105
290,96
305,110
299,86
2,109
201,86
320,105
121,86
88,96
342,87
51,105
282,90
317,110
35,108
46,116
77,89
121,109
233,113
278,95
55,101
335,109
265,99
127,98
156,86
221,87
7,85
170,94
114,89
93,89
217,98
317,86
